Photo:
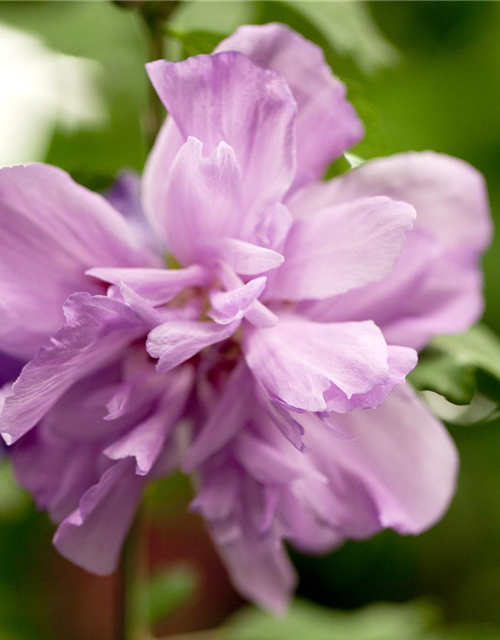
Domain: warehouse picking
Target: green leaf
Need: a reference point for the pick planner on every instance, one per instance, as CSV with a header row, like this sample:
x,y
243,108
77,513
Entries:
x,y
465,370
13,500
460,633
195,42
479,350
479,347
480,410
222,17
305,620
344,163
164,593
416,620
351,31
169,496
326,24
442,374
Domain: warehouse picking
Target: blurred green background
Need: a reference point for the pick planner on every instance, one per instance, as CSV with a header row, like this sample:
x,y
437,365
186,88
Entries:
x,y
423,75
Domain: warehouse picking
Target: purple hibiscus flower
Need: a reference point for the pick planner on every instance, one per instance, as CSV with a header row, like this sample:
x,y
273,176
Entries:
x,y
271,363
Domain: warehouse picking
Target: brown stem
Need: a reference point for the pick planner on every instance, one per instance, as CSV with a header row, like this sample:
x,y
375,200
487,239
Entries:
x,y
130,621
120,630
156,111
124,589
155,15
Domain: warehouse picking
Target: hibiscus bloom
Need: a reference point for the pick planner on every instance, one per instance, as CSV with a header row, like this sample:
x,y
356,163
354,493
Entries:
x,y
280,343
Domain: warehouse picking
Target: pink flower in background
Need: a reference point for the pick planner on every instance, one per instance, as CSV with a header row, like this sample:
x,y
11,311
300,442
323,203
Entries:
x,y
282,342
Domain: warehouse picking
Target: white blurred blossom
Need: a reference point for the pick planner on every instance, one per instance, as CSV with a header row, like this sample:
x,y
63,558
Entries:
x,y
41,89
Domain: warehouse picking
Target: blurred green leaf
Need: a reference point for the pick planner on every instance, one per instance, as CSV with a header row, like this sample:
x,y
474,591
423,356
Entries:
x,y
442,374
13,500
168,496
465,370
351,30
479,347
465,634
305,620
417,620
164,593
315,21
195,42
213,16
343,164
480,410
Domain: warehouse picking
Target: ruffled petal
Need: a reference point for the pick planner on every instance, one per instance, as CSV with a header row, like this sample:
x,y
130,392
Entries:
x,y
400,470
176,341
93,535
244,257
56,470
436,286
152,316
154,185
272,229
228,306
327,123
448,300
297,361
96,329
342,247
203,199
383,300
146,441
401,361
226,419
125,196
157,286
62,458
259,568
428,293
235,507
52,231
10,368
448,194
270,465
227,98
258,314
